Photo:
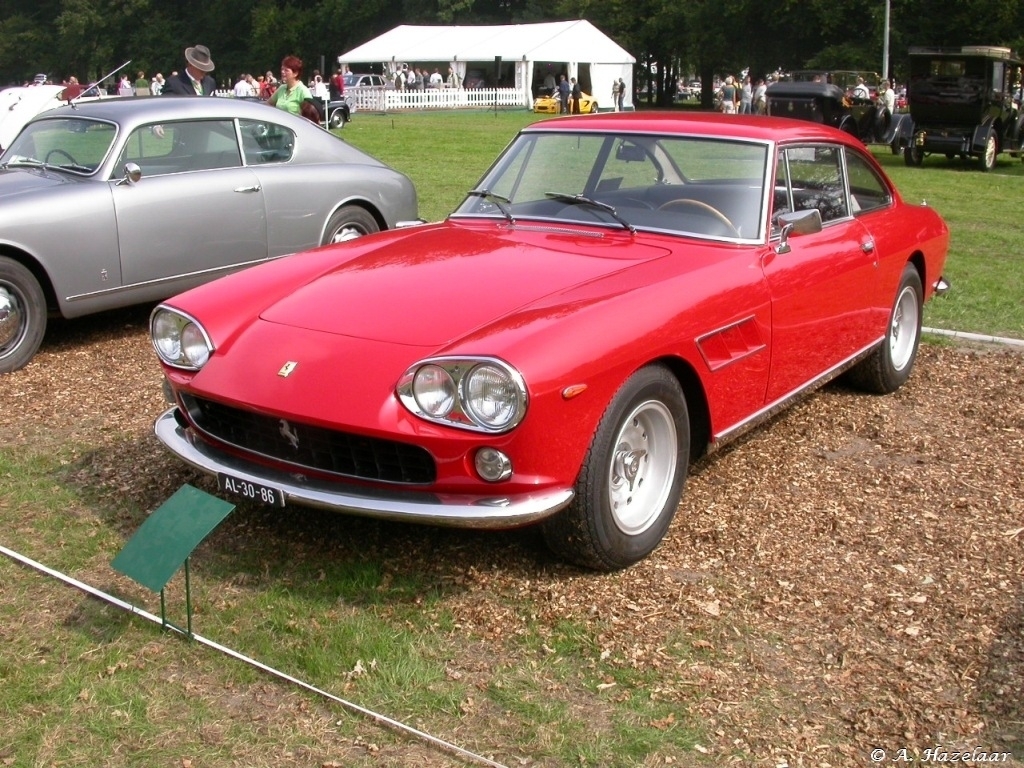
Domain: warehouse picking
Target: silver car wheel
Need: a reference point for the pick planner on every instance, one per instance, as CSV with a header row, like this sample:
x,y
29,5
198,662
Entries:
x,y
643,467
349,223
904,328
22,315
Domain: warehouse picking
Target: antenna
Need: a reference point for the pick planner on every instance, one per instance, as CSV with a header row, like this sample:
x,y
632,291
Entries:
x,y
96,83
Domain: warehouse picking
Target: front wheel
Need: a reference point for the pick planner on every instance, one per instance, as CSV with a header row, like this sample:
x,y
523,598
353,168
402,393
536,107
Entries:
x,y
22,315
348,223
889,365
632,476
913,155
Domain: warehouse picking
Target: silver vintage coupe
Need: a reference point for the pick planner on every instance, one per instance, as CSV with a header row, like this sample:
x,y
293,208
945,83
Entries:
x,y
126,201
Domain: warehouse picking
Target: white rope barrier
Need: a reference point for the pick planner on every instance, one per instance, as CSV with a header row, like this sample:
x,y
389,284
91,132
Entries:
x,y
377,718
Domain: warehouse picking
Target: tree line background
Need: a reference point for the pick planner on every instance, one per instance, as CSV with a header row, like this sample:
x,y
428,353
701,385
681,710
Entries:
x,y
669,38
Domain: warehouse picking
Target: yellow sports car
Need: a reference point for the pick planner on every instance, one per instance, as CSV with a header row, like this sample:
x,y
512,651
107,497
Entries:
x,y
550,105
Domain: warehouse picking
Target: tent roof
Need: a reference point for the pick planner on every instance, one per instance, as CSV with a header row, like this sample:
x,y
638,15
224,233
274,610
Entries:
x,y
552,41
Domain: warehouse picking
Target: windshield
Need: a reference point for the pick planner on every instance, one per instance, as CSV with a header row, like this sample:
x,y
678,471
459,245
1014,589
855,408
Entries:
x,y
69,144
699,186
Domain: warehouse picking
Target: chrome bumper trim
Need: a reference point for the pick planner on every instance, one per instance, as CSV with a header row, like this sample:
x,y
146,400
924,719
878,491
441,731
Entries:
x,y
409,506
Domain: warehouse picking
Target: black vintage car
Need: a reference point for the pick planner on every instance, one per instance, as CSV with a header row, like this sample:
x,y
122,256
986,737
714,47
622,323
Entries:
x,y
961,103
822,102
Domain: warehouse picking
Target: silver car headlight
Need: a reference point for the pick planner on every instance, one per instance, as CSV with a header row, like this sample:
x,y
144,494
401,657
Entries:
x,y
477,393
179,339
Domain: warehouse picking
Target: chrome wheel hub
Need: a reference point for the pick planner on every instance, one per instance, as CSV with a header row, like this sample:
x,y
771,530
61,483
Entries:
x,y
643,467
12,318
903,329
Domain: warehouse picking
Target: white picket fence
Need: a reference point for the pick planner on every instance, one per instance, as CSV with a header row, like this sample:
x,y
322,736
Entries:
x,y
389,100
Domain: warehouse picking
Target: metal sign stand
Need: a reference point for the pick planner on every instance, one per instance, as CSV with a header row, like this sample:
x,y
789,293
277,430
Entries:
x,y
165,541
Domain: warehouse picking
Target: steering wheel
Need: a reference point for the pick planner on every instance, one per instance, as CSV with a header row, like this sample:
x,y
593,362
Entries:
x,y
701,207
58,151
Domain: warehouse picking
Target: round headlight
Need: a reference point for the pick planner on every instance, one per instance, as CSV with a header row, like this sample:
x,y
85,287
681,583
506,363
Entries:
x,y
193,345
434,390
179,340
166,332
492,397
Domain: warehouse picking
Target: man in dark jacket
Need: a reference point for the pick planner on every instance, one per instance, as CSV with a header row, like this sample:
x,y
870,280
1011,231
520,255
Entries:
x,y
196,80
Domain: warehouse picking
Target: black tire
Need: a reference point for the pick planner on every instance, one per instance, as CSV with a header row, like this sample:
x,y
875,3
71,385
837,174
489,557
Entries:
x,y
889,365
632,477
348,223
913,156
338,119
22,315
987,161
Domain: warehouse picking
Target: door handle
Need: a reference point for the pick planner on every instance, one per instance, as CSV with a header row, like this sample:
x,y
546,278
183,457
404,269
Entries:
x,y
254,188
868,247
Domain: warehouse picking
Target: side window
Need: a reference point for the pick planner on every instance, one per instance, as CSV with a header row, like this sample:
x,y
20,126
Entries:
x,y
816,176
265,142
867,191
180,147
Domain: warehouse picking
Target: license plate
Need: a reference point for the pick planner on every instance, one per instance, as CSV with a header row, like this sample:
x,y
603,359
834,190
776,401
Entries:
x,y
264,494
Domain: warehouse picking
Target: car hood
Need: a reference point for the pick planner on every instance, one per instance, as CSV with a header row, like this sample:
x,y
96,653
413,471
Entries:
x,y
443,283
16,181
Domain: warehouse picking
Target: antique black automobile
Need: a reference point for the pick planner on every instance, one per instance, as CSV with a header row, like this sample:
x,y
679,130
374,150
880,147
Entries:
x,y
961,103
827,103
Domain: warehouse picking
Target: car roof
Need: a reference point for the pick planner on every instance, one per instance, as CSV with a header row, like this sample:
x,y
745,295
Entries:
x,y
129,112
750,127
146,109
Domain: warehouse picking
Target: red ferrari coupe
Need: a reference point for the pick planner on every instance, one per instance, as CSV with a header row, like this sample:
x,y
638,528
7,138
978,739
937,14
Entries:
x,y
568,341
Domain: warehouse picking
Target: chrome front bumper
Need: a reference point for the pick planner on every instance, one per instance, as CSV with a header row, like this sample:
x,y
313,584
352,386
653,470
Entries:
x,y
493,511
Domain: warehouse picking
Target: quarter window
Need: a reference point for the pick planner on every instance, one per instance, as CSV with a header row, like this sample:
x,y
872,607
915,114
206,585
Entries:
x,y
867,191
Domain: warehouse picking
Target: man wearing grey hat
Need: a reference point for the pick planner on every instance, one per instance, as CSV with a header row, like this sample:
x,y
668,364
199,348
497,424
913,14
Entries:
x,y
196,80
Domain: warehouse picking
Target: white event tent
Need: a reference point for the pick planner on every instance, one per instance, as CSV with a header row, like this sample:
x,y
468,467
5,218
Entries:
x,y
575,48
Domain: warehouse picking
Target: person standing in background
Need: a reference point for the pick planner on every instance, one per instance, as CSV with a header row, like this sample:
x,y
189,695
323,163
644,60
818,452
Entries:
x,y
196,80
292,92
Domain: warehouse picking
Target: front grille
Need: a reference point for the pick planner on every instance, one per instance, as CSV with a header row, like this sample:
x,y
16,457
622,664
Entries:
x,y
315,448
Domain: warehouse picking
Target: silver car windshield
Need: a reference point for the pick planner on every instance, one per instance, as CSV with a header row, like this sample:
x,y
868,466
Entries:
x,y
698,186
67,144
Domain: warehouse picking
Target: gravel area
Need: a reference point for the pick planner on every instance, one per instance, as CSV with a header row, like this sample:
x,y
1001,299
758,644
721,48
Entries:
x,y
848,577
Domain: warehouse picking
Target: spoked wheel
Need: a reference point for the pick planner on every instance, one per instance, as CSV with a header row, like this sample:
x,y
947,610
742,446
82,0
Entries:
x,y
348,223
629,486
889,365
988,157
22,315
913,155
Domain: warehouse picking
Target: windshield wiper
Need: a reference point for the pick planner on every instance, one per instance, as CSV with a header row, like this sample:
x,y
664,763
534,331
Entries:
x,y
562,197
31,162
500,202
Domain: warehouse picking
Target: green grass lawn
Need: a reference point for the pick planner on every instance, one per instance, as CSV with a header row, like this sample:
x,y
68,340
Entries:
x,y
446,153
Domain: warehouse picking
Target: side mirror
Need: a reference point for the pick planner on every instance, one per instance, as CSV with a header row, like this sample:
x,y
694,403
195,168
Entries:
x,y
132,174
797,223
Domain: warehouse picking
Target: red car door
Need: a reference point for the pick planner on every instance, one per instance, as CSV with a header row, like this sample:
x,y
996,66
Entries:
x,y
822,288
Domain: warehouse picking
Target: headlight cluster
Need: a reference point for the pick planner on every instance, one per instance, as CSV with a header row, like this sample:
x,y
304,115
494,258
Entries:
x,y
482,394
178,339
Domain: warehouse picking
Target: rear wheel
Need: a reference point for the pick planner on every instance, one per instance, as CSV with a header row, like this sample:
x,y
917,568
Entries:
x,y
22,315
348,223
632,476
338,119
889,365
988,157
